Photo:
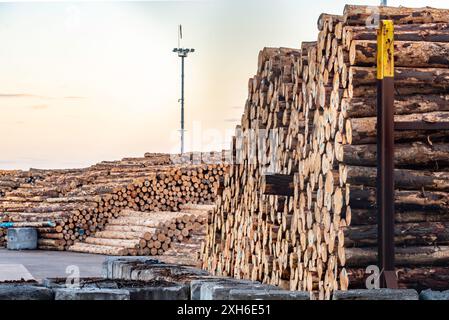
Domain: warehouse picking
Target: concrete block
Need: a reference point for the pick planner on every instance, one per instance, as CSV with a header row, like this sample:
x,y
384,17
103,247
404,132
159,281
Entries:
x,y
135,274
378,294
434,295
25,292
91,294
176,292
217,291
257,294
111,263
195,285
21,239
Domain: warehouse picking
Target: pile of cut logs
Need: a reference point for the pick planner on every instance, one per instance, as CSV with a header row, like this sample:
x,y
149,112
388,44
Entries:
x,y
82,201
298,207
141,233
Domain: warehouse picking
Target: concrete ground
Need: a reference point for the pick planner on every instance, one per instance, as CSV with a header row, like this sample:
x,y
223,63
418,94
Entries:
x,y
48,264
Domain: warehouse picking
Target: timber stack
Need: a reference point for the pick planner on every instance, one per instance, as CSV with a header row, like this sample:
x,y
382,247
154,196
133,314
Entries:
x,y
144,233
298,206
81,202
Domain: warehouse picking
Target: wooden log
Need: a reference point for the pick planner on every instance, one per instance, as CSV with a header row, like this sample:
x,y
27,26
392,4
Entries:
x,y
407,80
404,179
418,278
369,216
436,201
128,244
406,234
364,130
98,249
361,15
277,184
435,32
407,54
414,155
410,256
366,106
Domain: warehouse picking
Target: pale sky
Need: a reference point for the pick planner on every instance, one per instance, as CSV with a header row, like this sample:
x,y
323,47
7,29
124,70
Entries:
x,y
82,82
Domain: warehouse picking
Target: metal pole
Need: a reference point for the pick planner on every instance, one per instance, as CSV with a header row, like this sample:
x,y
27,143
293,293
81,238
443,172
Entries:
x,y
385,153
383,2
182,104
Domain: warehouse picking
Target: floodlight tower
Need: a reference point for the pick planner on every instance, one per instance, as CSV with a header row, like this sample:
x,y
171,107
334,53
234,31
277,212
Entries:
x,y
383,2
182,53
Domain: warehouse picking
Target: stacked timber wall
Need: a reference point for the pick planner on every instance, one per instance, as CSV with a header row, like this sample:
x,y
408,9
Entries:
x,y
298,207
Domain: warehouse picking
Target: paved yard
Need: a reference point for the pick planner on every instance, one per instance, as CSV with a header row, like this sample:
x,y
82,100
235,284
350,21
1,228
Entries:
x,y
44,264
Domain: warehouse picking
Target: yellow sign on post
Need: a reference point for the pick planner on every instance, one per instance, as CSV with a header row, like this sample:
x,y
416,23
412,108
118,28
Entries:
x,y
385,49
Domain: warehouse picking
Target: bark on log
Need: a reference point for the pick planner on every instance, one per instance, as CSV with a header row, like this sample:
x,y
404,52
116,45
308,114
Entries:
x,y
419,278
364,130
406,234
436,201
430,32
404,179
361,217
407,54
412,155
407,80
277,184
362,15
410,256
366,107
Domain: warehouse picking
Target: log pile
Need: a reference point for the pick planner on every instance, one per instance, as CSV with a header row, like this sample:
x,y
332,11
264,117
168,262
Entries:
x,y
11,180
81,201
142,233
297,208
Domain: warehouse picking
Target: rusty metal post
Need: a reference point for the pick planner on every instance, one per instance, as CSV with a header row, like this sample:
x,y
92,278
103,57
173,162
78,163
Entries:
x,y
385,153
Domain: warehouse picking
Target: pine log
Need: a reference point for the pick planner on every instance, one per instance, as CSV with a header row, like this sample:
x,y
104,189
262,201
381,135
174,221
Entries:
x,y
361,15
98,249
430,32
129,244
410,256
404,179
361,217
407,54
407,80
413,155
436,201
277,184
406,234
419,278
366,107
364,130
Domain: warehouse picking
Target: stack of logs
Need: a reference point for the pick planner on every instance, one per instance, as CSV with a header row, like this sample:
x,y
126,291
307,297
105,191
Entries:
x,y
142,233
81,201
298,207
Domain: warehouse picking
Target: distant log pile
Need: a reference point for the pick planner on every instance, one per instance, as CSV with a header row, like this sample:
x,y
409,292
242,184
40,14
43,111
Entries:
x,y
145,233
82,201
297,208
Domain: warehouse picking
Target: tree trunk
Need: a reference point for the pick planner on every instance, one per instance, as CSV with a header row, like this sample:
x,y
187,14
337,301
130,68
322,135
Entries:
x,y
412,155
406,234
407,81
361,15
366,107
410,256
407,54
403,179
364,130
430,32
418,278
